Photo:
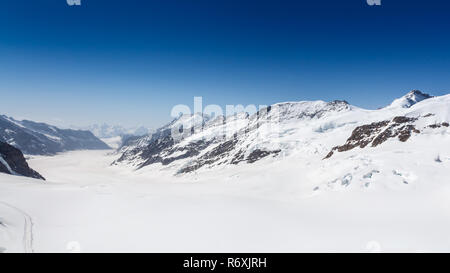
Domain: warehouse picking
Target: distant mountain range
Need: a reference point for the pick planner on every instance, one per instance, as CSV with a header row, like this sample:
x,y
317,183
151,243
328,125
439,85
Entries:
x,y
197,142
42,139
283,129
108,131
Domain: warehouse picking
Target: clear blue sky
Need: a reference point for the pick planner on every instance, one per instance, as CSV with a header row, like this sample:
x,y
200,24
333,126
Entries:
x,y
128,62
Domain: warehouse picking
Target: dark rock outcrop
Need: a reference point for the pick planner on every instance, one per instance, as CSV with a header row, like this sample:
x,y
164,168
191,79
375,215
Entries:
x,y
219,152
438,125
259,154
13,162
378,132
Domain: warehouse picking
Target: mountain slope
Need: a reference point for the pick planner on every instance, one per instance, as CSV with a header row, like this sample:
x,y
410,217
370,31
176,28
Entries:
x,y
13,162
43,139
427,117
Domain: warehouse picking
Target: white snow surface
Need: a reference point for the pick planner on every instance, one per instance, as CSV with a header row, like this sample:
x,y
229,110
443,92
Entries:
x,y
249,208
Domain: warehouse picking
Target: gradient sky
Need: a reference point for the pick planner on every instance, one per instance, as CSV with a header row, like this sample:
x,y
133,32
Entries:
x,y
129,62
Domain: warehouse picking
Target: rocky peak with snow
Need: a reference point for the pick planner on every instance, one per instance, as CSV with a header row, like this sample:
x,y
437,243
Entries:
x,y
410,99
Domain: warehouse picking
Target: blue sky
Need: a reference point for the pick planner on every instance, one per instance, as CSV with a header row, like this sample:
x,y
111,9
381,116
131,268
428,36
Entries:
x,y
129,62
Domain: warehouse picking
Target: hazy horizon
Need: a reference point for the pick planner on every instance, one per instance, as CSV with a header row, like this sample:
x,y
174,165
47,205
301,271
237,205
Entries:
x,y
93,121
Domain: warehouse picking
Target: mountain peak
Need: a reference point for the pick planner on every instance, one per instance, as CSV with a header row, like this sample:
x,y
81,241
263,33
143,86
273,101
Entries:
x,y
411,98
417,93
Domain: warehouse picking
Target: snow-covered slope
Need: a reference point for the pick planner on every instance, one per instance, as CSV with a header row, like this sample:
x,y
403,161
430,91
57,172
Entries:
x,y
43,139
426,120
356,201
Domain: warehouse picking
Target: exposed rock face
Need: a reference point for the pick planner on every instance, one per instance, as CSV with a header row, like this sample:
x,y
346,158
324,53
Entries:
x,y
43,139
376,133
400,127
439,125
258,154
216,154
13,162
224,151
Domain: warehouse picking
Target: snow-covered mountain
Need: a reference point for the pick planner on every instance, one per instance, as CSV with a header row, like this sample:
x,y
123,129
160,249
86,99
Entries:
x,y
309,129
42,139
409,99
13,162
240,138
109,131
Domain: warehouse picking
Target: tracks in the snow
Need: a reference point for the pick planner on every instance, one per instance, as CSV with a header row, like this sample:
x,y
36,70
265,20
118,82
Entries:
x,y
27,228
